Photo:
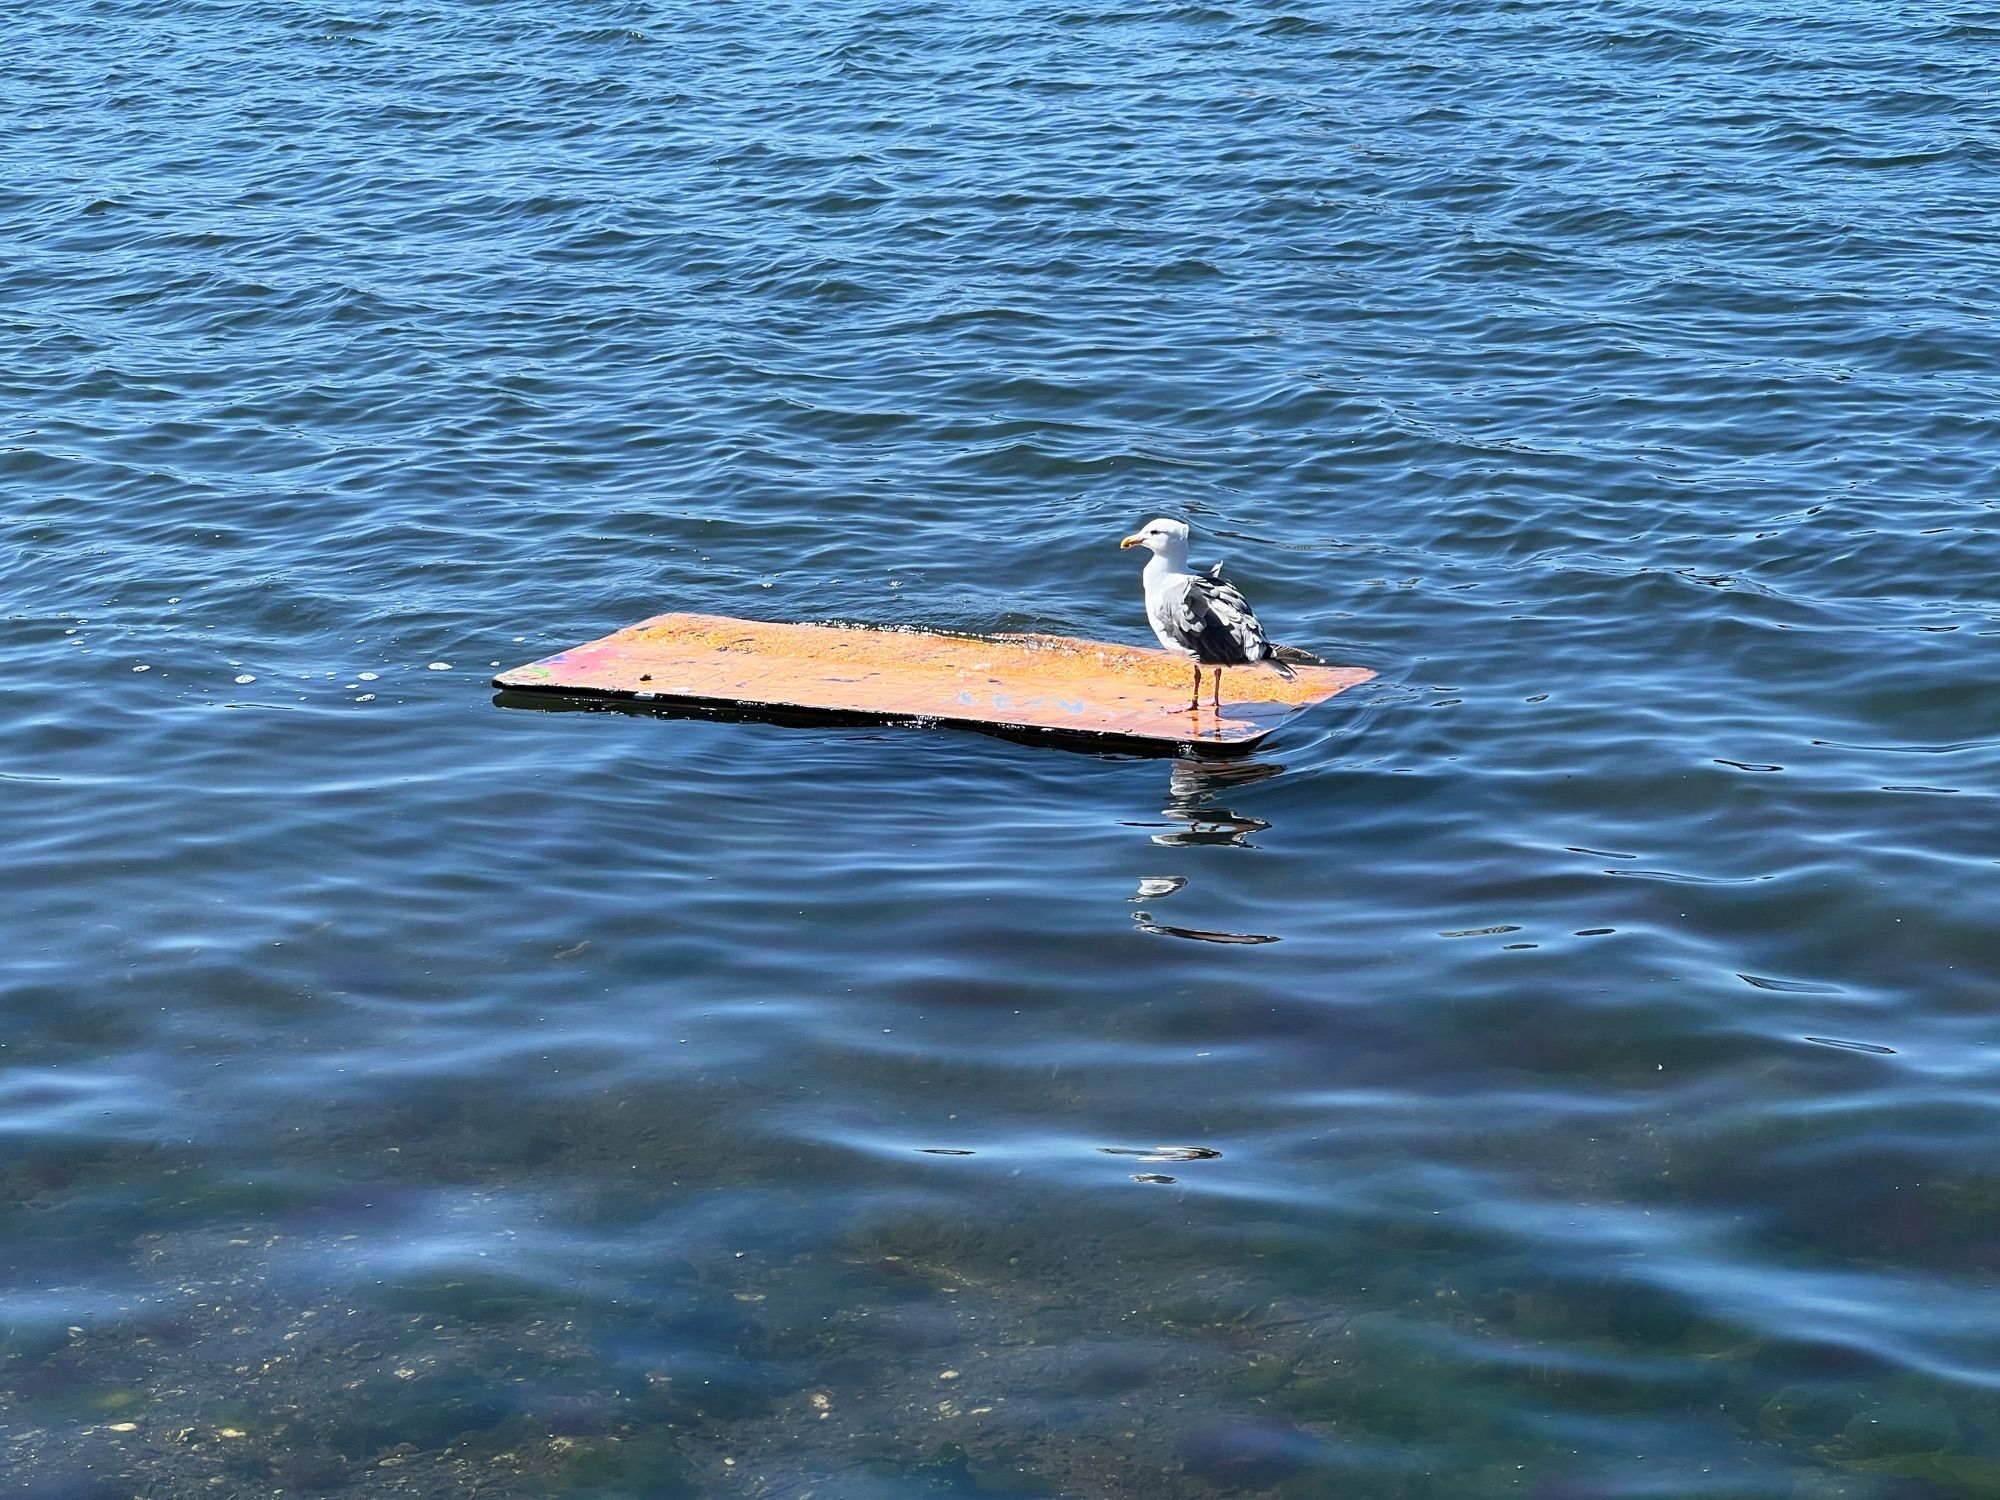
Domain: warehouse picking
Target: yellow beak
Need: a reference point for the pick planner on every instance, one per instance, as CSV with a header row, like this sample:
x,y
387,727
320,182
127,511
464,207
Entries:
x,y
1134,540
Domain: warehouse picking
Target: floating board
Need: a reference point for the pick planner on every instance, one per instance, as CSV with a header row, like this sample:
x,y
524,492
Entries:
x,y
1034,684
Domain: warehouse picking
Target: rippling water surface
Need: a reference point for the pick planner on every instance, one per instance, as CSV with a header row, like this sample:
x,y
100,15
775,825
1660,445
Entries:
x,y
404,1094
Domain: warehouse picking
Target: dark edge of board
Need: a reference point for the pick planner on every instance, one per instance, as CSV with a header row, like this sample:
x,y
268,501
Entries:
x,y
668,706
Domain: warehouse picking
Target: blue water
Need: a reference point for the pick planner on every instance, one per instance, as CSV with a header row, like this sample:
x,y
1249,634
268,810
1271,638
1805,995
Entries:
x,y
405,1094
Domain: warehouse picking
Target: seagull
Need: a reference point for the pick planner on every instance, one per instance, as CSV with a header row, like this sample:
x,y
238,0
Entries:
x,y
1197,614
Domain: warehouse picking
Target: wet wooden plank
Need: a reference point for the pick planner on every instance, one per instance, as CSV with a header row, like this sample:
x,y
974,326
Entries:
x,y
1058,685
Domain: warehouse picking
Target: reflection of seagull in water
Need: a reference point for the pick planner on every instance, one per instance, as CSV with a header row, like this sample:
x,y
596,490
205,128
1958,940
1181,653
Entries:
x,y
1192,815
1193,787
1197,614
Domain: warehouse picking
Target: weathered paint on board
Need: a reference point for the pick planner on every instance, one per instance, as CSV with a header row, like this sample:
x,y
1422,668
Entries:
x,y
1037,683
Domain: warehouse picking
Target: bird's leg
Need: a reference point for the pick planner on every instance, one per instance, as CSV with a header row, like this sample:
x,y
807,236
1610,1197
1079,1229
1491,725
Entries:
x,y
1218,690
1195,703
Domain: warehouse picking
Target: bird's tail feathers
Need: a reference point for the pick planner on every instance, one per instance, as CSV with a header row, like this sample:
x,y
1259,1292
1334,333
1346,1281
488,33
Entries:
x,y
1281,657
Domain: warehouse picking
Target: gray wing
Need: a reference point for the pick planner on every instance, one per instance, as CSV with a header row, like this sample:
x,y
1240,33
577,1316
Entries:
x,y
1176,617
1225,631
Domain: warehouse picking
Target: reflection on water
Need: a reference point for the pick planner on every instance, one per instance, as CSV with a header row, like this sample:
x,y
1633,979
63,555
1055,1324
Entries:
x,y
1193,780
1145,923
1196,819
1193,811
1161,1154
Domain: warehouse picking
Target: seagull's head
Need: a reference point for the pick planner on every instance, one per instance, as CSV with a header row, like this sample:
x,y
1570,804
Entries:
x,y
1162,538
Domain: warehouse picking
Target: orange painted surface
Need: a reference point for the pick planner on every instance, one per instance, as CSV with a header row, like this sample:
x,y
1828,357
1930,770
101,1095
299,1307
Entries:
x,y
1035,682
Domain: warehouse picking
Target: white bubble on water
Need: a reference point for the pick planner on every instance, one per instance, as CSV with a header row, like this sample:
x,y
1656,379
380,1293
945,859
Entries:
x,y
366,676
245,677
142,667
440,666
